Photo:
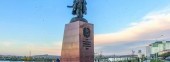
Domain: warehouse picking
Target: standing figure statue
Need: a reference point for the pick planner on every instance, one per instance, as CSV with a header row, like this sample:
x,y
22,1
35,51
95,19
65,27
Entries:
x,y
79,8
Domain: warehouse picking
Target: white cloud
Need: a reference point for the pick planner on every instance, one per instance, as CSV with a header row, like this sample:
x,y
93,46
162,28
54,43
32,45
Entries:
x,y
138,35
150,27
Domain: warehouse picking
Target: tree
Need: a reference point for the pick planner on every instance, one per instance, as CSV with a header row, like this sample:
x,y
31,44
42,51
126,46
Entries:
x,y
165,55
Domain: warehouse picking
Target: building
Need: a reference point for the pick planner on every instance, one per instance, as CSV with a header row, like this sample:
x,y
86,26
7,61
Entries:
x,y
148,51
167,45
157,47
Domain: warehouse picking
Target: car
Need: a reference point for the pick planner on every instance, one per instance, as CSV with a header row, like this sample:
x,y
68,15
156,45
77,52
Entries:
x,y
168,58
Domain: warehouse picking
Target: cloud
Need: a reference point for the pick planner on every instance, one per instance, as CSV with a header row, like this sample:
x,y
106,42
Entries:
x,y
151,27
138,35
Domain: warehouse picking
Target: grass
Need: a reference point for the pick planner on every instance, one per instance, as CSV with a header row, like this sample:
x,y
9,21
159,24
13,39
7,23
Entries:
x,y
154,60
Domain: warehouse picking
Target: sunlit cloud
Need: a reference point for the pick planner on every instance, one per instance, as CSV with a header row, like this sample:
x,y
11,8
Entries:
x,y
150,27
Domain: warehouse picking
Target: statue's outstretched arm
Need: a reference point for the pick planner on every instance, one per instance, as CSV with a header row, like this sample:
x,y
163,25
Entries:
x,y
70,6
74,2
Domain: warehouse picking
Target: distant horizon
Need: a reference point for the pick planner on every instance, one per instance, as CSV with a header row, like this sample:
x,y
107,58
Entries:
x,y
28,55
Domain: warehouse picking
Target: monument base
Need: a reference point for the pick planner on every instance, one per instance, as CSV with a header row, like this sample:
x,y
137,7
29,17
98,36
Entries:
x,y
78,42
74,19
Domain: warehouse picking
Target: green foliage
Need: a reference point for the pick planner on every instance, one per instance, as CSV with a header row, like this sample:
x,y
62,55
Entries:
x,y
165,55
156,60
25,58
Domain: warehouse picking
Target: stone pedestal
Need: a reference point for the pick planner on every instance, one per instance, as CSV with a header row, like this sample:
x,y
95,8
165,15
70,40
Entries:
x,y
78,42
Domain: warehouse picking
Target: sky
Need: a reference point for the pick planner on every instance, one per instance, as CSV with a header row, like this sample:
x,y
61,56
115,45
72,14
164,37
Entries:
x,y
119,25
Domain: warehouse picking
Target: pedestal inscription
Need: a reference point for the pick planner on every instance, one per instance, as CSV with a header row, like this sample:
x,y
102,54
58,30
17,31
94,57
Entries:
x,y
78,42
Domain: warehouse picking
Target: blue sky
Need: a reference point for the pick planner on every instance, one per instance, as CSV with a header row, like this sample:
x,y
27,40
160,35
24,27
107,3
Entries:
x,y
31,24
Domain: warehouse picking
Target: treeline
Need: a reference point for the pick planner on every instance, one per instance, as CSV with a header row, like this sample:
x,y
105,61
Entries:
x,y
25,58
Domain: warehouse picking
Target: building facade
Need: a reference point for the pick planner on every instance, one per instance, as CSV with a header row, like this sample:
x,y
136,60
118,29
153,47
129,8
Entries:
x,y
159,46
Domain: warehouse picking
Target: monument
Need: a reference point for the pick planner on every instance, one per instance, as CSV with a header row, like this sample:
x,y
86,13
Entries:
x,y
78,41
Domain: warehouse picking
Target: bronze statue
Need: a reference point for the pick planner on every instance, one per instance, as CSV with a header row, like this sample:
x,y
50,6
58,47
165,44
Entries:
x,y
79,8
